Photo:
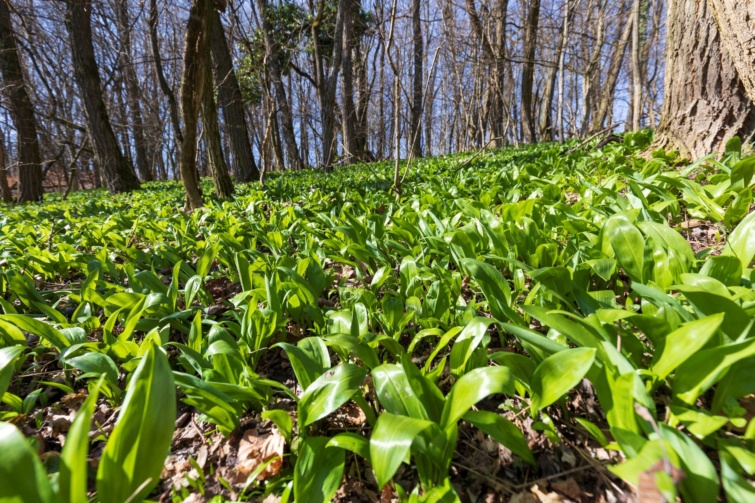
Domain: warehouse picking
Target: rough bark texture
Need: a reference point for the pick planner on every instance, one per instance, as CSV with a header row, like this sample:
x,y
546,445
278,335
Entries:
x,y
736,25
528,71
230,100
143,164
119,174
705,101
192,87
22,111
416,108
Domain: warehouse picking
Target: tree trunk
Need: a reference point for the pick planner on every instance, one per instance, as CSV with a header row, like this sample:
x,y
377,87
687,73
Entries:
x,y
705,101
119,174
164,86
348,108
546,121
22,111
528,71
4,188
229,96
416,108
133,94
218,166
636,73
736,25
192,88
284,107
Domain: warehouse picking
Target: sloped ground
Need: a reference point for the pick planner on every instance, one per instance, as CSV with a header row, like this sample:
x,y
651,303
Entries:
x,y
536,325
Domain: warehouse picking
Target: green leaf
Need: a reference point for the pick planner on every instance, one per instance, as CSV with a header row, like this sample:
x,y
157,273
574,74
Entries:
x,y
473,387
38,328
331,390
133,457
741,242
309,359
318,471
72,478
390,443
8,357
558,374
468,340
395,393
682,343
19,463
282,421
495,288
353,443
95,364
503,431
628,245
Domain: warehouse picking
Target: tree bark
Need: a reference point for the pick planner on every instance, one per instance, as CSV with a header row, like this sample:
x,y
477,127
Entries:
x,y
705,101
546,121
4,188
528,71
143,164
22,111
232,103
349,120
284,107
735,20
416,108
192,88
218,166
119,174
164,86
636,72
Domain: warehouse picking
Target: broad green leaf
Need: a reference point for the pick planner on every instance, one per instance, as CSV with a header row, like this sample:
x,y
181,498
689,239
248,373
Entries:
x,y
473,387
495,287
628,245
741,242
352,442
318,471
502,430
8,357
390,443
309,359
19,464
38,328
331,390
134,454
468,340
558,374
682,343
395,392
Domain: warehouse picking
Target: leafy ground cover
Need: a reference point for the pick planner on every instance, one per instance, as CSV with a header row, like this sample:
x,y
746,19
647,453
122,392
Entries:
x,y
538,324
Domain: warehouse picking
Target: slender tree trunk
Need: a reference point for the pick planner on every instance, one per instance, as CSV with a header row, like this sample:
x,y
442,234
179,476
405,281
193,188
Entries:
x,y
218,166
528,71
546,109
349,119
119,174
706,102
636,73
232,103
561,76
22,110
192,88
416,108
164,86
133,94
4,187
284,107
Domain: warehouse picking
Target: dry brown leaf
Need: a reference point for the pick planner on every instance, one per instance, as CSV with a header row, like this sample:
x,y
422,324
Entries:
x,y
647,489
568,488
546,497
256,449
524,497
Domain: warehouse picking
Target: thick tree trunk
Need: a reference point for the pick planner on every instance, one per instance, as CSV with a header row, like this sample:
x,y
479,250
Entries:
x,y
705,101
229,97
143,164
119,174
528,71
416,108
192,88
22,111
736,25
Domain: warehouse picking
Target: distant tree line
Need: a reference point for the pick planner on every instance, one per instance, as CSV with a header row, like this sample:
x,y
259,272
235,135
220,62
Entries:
x,y
114,93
